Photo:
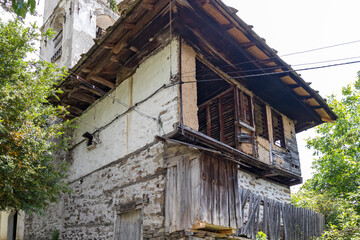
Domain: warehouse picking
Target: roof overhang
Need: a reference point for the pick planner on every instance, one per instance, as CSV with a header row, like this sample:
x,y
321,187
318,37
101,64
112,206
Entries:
x,y
217,33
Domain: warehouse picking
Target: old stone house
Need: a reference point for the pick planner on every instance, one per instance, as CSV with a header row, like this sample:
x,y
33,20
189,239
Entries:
x,y
187,125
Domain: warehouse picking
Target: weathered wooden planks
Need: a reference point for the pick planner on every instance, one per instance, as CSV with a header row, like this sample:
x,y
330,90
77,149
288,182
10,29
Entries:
x,y
205,191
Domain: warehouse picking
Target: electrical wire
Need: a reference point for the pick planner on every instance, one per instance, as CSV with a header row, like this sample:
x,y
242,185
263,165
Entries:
x,y
274,67
284,55
268,74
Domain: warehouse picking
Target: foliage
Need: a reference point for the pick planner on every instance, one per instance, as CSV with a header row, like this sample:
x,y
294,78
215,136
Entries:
x,y
341,219
337,211
337,148
30,132
261,236
113,5
334,188
20,7
55,235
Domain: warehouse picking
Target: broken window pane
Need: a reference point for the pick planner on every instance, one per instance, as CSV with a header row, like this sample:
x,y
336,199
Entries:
x,y
278,129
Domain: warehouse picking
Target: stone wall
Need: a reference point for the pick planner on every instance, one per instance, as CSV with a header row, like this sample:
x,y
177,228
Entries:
x,y
264,187
90,210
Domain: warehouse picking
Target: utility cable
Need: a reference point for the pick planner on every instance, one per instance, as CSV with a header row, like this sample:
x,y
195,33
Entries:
x,y
284,55
274,67
268,74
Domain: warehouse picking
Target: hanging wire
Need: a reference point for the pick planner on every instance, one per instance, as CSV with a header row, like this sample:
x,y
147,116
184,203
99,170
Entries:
x,y
285,55
276,67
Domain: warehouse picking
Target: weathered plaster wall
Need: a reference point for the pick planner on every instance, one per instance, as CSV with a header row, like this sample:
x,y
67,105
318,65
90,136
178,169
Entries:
x,y
189,90
90,211
128,133
4,226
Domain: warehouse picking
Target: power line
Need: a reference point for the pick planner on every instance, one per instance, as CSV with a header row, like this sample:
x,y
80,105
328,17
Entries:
x,y
269,74
275,67
320,48
284,55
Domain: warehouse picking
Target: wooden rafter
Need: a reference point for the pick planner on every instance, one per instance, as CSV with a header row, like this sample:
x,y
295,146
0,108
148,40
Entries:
x,y
84,98
102,81
91,90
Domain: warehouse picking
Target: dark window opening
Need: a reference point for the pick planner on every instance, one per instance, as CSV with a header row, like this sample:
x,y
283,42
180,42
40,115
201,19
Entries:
x,y
278,129
12,225
99,32
245,108
261,124
216,106
209,89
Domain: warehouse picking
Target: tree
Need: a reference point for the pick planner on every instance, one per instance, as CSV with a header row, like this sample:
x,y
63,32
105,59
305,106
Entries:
x,y
334,188
341,219
20,7
337,148
30,130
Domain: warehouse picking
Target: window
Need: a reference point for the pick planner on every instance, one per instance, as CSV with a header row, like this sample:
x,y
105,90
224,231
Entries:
x,y
245,108
102,23
278,129
99,32
261,124
217,117
57,40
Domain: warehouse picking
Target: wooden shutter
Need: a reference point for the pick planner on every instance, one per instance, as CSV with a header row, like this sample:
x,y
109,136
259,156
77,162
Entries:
x,y
217,118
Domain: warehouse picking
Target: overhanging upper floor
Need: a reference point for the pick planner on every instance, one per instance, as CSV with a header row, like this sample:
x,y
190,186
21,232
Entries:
x,y
216,33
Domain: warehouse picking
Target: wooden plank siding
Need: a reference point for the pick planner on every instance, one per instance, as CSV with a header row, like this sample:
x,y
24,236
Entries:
x,y
206,191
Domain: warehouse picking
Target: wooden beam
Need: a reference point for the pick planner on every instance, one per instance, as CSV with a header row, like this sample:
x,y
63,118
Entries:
x,y
134,49
139,25
248,45
228,27
293,86
85,70
108,46
306,97
316,107
114,59
148,6
119,46
74,109
92,90
129,26
102,81
266,61
83,97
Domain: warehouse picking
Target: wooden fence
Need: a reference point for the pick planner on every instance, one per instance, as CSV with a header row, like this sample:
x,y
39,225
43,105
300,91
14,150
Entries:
x,y
277,220
206,189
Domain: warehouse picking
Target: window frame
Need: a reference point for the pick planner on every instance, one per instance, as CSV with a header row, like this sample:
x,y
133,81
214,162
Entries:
x,y
264,121
281,138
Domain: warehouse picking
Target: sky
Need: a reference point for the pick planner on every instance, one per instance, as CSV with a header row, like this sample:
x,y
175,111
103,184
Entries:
x,y
291,26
